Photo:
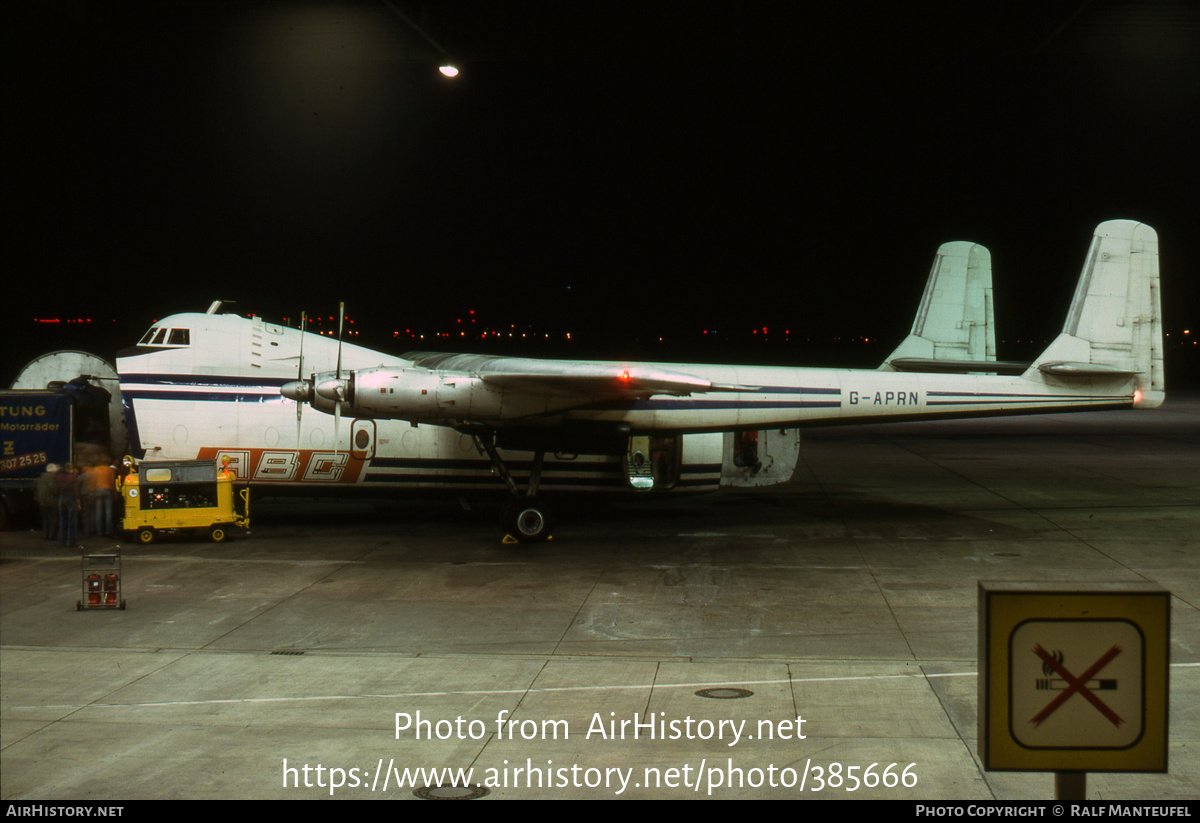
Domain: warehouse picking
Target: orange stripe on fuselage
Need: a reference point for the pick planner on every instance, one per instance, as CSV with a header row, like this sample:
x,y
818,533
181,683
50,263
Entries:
x,y
288,465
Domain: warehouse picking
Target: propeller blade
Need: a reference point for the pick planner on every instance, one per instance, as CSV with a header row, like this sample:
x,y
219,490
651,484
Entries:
x,y
337,421
337,406
341,317
300,367
300,376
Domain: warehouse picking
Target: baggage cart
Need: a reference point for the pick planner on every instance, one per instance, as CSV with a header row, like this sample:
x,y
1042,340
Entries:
x,y
101,572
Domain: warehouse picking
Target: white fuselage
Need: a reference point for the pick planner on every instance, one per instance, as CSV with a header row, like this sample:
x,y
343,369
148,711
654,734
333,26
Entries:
x,y
218,395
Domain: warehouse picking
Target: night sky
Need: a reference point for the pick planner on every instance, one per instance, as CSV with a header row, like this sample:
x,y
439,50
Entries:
x,y
625,171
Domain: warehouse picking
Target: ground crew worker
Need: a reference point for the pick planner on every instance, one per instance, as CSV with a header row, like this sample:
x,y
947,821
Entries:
x,y
46,492
86,499
104,480
67,484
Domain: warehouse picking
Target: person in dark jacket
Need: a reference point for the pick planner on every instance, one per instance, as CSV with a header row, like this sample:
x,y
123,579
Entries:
x,y
45,490
67,484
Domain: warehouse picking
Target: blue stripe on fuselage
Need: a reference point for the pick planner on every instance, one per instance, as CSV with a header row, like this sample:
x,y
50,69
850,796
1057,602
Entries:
x,y
691,403
173,387
268,391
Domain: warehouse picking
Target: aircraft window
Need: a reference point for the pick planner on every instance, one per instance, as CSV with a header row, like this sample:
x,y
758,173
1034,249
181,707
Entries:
x,y
148,335
158,338
180,337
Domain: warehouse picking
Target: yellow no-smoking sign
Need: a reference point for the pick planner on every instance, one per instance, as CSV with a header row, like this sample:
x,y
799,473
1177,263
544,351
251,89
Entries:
x,y
1073,678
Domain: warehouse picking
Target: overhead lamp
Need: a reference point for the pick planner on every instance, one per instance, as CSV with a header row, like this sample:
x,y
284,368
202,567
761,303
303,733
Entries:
x,y
447,66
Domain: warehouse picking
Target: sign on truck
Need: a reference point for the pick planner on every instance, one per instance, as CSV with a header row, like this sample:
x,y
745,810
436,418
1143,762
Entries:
x,y
36,429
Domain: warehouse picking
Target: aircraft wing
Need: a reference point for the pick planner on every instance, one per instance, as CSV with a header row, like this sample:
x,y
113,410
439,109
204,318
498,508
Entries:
x,y
570,376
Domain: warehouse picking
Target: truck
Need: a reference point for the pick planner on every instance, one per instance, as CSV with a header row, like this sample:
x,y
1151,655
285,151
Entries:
x,y
64,407
36,429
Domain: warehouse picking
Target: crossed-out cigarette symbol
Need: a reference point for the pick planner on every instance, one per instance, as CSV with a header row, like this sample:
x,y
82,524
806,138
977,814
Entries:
x,y
1076,684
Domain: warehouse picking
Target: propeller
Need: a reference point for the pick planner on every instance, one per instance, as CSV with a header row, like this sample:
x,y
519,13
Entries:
x,y
299,389
331,388
340,391
300,376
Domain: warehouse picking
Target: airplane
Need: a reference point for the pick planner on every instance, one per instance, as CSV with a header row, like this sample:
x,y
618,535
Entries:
x,y
222,386
190,371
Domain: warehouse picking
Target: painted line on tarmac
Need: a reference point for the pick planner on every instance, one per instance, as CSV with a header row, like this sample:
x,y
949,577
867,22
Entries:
x,y
499,692
531,690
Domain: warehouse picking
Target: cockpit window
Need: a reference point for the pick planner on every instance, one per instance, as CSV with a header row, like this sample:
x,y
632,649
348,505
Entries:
x,y
158,338
179,337
148,336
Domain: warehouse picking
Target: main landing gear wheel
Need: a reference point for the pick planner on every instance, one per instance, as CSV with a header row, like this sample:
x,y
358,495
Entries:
x,y
527,519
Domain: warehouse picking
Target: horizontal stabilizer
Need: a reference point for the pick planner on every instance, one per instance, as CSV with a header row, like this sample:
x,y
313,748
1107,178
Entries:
x,y
939,366
1061,369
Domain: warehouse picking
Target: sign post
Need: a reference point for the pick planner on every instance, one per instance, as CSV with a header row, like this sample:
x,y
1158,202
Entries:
x,y
1073,678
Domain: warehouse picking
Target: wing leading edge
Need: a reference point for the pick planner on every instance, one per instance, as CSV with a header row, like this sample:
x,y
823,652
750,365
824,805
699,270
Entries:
x,y
566,377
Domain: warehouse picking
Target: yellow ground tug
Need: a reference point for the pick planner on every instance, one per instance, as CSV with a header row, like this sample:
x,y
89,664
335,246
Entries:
x,y
183,496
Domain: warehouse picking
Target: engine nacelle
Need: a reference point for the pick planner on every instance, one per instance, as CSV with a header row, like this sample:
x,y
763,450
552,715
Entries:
x,y
420,394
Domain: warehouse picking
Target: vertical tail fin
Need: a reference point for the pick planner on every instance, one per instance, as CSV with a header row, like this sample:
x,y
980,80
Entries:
x,y
1114,326
955,320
